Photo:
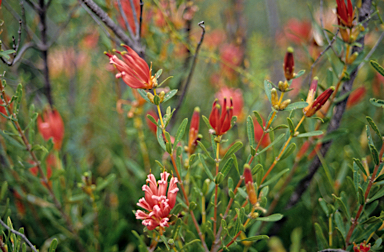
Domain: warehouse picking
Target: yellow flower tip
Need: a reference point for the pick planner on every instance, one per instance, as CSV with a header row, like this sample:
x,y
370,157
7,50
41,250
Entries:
x,y
122,44
333,88
105,52
114,50
290,50
247,166
315,78
217,106
197,109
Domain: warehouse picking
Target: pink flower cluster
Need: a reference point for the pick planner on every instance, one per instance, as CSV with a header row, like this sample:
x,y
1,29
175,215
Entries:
x,y
157,201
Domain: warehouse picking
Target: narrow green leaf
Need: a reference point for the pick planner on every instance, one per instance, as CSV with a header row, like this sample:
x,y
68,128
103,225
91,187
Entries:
x,y
272,144
235,147
323,206
271,218
169,77
180,132
357,163
256,169
251,131
312,133
281,126
227,167
258,118
377,102
12,141
291,126
153,120
158,73
169,95
375,154
329,78
165,241
296,105
205,150
274,178
377,67
143,94
288,151
342,206
361,196
321,241
377,195
366,232
206,122
235,163
300,73
268,87
373,126
160,138
53,245
255,238
206,169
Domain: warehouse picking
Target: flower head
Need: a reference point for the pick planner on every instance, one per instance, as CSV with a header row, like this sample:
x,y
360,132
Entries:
x,y
157,202
221,123
249,185
50,125
311,109
345,13
194,131
362,247
132,69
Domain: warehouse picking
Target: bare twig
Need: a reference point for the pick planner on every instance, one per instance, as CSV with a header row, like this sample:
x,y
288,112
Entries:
x,y
19,234
135,19
189,78
371,51
122,13
34,5
141,16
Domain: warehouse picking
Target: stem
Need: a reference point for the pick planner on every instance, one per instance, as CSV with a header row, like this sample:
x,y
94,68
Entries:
x,y
281,152
181,182
19,234
330,230
216,188
203,213
373,177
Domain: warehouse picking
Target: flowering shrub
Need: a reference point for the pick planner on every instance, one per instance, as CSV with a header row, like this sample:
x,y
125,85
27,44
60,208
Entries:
x,y
216,136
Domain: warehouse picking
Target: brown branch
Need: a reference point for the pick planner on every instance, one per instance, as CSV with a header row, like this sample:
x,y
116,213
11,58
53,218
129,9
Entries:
x,y
19,234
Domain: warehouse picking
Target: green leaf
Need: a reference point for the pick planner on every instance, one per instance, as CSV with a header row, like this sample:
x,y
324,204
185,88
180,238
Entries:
x,y
377,67
366,232
160,138
169,95
3,190
373,126
165,241
268,87
258,118
153,120
251,131
334,134
207,171
256,169
342,206
227,167
377,195
271,218
206,122
281,126
296,105
189,244
375,154
53,245
271,144
12,141
142,246
235,163
235,147
255,238
361,196
300,73
377,102
143,94
321,241
180,132
274,178
205,150
288,151
291,126
169,77
357,163
339,223
329,78
323,206
312,133
108,180
158,73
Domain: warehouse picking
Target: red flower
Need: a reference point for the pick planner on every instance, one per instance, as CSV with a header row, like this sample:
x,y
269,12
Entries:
x,y
356,96
2,109
50,125
289,64
194,131
249,185
363,247
259,132
231,56
157,201
237,97
221,124
318,103
345,13
133,70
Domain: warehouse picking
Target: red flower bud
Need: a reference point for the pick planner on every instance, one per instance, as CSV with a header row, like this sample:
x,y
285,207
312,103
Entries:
x,y
319,102
221,124
356,96
345,13
289,64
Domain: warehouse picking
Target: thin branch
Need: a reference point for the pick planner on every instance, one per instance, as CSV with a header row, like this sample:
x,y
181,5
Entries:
x,y
48,4
371,51
135,19
34,5
19,234
111,25
188,81
122,13
322,26
100,25
141,16
15,46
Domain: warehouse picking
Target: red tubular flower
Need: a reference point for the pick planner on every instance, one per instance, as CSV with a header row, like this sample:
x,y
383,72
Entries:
x,y
363,247
157,202
356,96
237,97
319,102
50,125
289,64
221,124
132,69
194,131
249,185
345,13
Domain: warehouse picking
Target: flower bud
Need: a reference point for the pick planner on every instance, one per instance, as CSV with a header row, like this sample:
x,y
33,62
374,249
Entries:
x,y
249,184
274,97
284,104
206,186
281,86
161,95
319,102
150,97
289,64
352,58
